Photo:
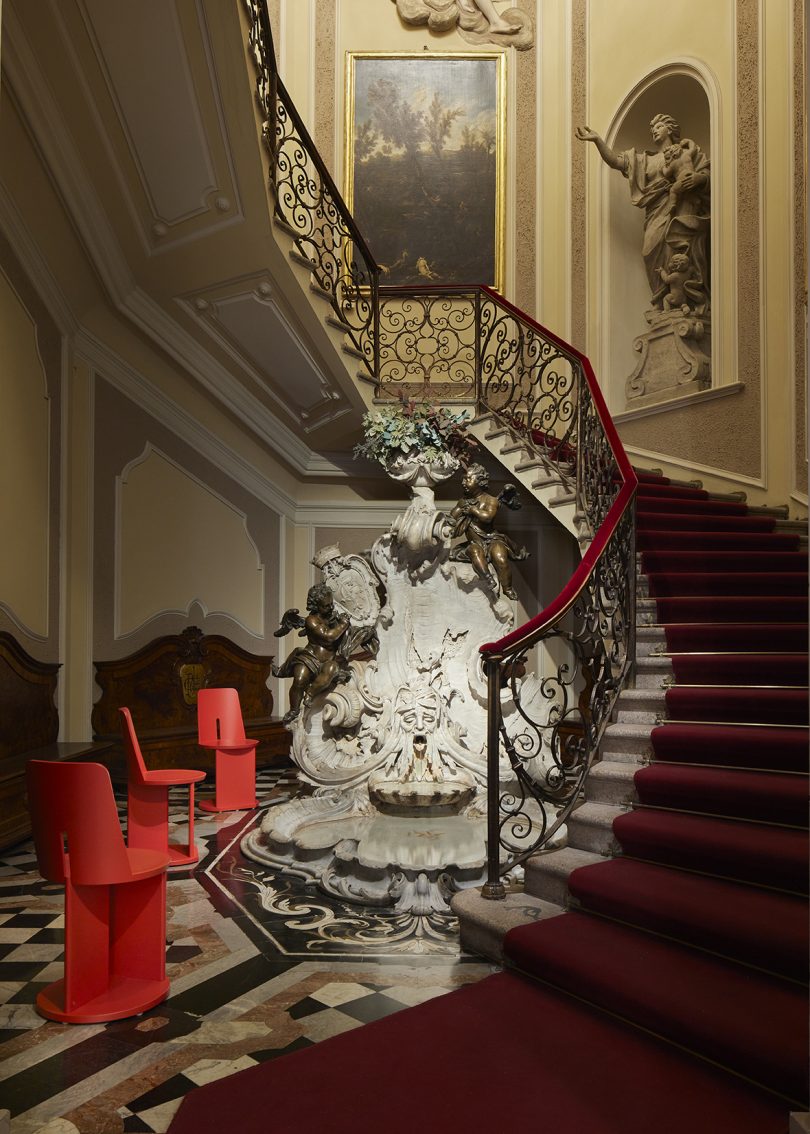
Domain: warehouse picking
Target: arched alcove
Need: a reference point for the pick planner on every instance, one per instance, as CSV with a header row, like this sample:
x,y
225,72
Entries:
x,y
681,93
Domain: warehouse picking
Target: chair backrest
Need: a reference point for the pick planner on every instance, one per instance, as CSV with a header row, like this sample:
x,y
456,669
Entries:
x,y
136,766
219,717
73,810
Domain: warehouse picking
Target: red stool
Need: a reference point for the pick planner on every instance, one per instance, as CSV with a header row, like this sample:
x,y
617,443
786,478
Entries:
x,y
148,801
220,725
115,897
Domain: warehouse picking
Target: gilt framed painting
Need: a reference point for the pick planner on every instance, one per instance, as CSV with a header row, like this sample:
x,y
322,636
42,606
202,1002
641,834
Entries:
x,y
425,164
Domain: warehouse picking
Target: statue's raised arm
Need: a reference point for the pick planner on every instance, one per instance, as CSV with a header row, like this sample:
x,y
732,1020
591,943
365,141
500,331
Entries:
x,y
609,156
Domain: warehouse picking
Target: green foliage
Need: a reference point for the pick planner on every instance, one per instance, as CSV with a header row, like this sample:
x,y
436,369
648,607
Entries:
x,y
431,430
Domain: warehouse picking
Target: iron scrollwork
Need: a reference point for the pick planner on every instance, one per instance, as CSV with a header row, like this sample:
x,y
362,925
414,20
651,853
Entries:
x,y
309,204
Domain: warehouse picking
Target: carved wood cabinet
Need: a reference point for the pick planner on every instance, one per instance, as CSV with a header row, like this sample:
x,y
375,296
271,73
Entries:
x,y
159,685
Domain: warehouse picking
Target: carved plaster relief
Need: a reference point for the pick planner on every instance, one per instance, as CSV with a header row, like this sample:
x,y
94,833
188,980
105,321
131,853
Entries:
x,y
478,21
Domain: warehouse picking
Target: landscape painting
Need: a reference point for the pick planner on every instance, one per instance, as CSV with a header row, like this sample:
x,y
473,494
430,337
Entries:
x,y
424,164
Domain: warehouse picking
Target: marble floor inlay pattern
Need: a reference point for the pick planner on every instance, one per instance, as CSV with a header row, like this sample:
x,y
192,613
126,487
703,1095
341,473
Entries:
x,y
259,965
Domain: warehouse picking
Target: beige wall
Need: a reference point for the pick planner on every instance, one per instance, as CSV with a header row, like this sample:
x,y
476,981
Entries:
x,y
30,451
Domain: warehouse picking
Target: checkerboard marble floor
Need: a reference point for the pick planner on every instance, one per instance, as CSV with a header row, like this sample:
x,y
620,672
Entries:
x,y
259,966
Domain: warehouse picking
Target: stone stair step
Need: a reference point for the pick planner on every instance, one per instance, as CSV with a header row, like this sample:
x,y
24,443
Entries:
x,y
611,781
590,827
484,922
561,499
517,446
653,672
627,742
546,875
641,706
650,641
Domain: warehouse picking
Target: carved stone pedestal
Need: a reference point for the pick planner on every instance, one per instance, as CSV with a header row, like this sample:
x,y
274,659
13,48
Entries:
x,y
675,358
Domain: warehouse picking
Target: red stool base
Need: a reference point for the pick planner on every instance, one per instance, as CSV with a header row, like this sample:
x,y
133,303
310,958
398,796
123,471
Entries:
x,y
180,854
242,805
124,996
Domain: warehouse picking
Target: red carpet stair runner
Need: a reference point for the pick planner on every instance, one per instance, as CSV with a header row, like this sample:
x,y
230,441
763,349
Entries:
x,y
671,997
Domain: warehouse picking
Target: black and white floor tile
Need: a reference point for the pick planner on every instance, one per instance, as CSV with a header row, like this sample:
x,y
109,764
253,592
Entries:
x,y
259,966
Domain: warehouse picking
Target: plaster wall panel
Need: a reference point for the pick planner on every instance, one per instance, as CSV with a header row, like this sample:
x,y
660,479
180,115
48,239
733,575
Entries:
x,y
179,542
184,190
24,467
178,524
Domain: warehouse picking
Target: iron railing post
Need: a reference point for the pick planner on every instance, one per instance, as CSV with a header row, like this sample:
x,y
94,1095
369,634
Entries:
x,y
479,392
493,888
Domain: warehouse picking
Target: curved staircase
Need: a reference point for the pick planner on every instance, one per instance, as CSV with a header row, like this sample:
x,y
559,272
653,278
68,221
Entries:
x,y
698,916
656,967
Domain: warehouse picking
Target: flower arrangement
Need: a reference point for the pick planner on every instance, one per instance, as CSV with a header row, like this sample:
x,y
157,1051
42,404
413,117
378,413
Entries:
x,y
409,426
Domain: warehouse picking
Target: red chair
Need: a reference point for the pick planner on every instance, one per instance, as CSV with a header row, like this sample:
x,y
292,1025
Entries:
x,y
115,897
148,801
220,726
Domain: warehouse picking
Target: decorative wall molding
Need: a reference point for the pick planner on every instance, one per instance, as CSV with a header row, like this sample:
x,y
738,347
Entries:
x,y
129,382
149,451
37,563
246,319
678,403
692,466
36,267
208,196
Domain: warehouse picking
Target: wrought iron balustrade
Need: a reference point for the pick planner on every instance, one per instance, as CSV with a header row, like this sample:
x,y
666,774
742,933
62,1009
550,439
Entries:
x,y
468,344
308,202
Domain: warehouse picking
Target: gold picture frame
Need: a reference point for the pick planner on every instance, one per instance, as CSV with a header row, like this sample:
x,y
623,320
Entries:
x,y
425,168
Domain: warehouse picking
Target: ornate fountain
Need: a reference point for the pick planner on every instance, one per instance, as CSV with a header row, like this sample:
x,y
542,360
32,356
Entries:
x,y
394,749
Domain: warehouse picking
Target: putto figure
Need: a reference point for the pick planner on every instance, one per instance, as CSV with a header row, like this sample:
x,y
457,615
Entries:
x,y
673,187
473,520
322,662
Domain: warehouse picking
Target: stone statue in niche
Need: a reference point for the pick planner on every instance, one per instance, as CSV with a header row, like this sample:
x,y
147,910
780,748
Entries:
x,y
473,521
323,662
673,186
478,21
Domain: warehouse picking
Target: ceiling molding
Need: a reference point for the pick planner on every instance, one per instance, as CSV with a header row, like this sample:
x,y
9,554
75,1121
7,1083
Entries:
x,y
47,126
219,381
223,311
211,194
85,209
154,402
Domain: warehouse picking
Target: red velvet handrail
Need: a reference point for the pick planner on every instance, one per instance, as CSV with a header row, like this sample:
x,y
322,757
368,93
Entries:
x,y
565,598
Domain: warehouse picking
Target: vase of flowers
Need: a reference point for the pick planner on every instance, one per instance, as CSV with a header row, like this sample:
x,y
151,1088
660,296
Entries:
x,y
416,442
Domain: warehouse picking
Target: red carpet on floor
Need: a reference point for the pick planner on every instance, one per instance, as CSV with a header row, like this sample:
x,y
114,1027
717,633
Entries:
x,y
449,1065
